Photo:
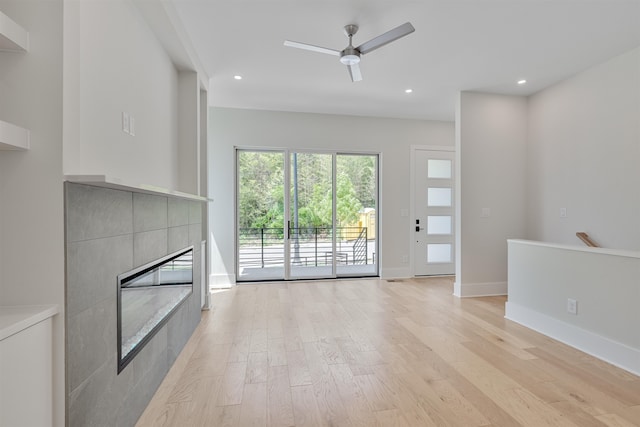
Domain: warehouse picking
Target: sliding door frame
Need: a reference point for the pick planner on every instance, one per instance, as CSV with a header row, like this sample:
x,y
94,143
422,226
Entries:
x,y
286,152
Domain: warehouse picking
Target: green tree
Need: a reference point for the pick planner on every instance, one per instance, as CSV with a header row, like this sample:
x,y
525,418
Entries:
x,y
347,204
261,195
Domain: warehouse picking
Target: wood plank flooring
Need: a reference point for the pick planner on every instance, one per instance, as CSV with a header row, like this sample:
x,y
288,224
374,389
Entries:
x,y
377,353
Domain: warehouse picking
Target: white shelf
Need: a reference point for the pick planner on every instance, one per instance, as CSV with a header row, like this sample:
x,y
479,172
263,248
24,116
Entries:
x,y
13,37
106,181
14,319
13,137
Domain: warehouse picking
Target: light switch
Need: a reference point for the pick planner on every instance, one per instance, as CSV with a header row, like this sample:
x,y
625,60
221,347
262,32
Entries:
x,y
125,122
404,212
563,212
486,213
132,126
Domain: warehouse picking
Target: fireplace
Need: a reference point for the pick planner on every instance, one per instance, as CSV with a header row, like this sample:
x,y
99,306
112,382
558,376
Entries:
x,y
147,297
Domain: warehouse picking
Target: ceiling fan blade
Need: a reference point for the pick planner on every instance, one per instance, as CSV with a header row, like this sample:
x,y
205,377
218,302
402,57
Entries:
x,y
311,47
354,72
388,37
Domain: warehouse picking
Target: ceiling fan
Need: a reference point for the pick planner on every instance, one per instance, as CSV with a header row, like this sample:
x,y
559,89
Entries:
x,y
350,56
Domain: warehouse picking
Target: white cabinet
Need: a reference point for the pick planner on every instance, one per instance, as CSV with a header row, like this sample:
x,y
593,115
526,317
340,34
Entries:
x,y
26,366
13,38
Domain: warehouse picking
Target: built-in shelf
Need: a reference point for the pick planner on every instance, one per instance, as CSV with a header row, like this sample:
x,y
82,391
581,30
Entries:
x,y
13,37
106,181
13,137
14,319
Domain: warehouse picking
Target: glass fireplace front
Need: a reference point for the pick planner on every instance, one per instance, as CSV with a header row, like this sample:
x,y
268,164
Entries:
x,y
147,297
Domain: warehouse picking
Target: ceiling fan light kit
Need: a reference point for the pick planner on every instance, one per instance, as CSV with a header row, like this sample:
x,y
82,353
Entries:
x,y
350,56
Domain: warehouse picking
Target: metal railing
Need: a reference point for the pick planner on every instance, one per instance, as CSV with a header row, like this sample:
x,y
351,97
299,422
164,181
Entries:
x,y
360,248
310,246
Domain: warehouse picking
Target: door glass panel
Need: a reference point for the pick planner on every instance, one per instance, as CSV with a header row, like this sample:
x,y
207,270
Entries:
x,y
437,168
438,196
356,207
311,213
439,224
260,215
438,252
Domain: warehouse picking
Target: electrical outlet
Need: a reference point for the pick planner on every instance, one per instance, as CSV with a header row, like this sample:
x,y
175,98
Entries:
x,y
572,306
485,213
404,212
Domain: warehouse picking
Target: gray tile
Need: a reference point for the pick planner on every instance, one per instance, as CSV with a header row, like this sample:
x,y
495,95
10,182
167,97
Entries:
x,y
197,277
178,238
195,212
91,341
179,328
136,401
92,270
149,212
153,353
178,211
195,235
149,246
94,212
94,402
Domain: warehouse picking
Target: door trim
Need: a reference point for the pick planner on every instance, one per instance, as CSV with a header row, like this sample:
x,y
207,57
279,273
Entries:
x,y
412,201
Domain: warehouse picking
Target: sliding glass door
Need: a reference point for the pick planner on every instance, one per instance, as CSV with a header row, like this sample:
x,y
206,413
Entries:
x,y
356,212
260,202
311,236
323,226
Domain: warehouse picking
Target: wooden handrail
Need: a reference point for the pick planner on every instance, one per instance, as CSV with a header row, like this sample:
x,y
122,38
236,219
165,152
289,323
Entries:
x,y
587,240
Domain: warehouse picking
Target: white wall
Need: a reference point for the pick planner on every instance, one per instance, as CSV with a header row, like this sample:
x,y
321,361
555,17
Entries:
x,y
250,128
604,283
490,152
31,192
584,155
188,132
114,63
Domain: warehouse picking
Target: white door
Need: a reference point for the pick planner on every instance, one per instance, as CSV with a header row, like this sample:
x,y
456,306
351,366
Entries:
x,y
433,232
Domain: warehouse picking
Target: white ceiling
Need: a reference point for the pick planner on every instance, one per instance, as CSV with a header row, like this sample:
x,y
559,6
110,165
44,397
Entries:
x,y
477,45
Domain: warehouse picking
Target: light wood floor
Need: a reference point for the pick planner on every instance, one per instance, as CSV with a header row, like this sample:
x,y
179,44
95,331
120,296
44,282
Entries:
x,y
378,353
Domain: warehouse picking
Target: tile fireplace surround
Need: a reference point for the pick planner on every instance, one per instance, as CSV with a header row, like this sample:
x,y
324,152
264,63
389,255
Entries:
x,y
109,232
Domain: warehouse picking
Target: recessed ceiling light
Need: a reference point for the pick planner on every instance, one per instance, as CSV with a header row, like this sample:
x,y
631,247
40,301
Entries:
x,y
521,82
408,90
237,77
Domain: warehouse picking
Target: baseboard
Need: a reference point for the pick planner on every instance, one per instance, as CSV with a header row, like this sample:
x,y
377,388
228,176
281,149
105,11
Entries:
x,y
395,273
618,354
217,281
467,290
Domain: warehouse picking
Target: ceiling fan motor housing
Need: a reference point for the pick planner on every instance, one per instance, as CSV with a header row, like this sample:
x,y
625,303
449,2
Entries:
x,y
350,56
